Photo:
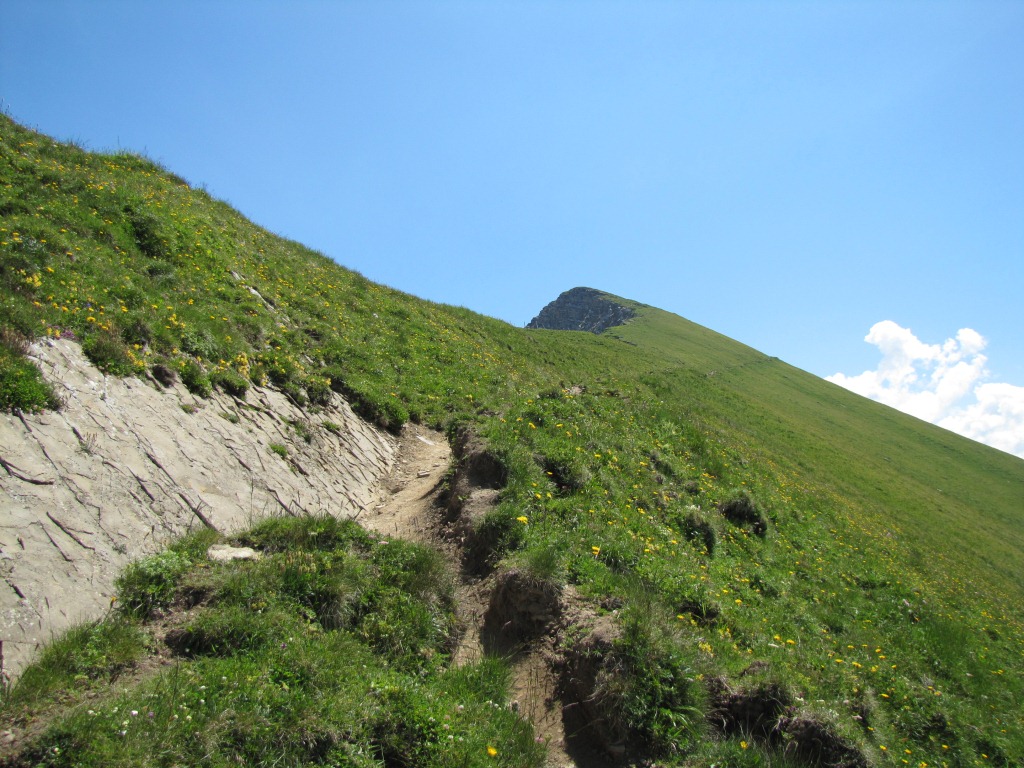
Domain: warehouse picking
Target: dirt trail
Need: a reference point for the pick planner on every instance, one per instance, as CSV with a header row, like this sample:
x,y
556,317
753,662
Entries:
x,y
410,507
404,506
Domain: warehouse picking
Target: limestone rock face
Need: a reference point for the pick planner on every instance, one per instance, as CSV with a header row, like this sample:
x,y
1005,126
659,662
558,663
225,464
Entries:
x,y
582,309
127,465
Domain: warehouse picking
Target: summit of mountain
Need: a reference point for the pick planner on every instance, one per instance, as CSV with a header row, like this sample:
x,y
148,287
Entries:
x,y
582,309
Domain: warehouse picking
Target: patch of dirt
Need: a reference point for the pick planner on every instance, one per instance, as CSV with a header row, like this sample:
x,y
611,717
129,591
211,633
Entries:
x,y
816,743
534,683
521,608
405,505
584,664
754,711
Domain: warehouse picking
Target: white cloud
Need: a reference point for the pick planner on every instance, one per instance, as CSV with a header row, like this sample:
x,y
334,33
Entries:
x,y
944,384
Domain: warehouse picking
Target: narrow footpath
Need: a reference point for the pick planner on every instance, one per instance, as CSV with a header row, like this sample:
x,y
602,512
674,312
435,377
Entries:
x,y
410,507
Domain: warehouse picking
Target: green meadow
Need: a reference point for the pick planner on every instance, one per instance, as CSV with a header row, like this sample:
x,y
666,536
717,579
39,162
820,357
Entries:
x,y
745,524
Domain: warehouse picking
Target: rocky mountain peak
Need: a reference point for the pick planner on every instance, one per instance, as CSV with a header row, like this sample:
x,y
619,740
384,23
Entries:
x,y
582,309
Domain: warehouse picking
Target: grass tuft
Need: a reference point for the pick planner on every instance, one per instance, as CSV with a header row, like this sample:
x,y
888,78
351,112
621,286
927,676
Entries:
x,y
22,387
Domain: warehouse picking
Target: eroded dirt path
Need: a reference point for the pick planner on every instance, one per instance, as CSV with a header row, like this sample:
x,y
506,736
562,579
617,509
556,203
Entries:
x,y
404,507
410,506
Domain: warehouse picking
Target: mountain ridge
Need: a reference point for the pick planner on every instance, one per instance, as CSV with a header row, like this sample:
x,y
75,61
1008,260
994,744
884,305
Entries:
x,y
715,542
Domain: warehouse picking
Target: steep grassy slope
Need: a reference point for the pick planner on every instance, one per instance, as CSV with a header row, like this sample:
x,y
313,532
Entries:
x,y
785,561
924,484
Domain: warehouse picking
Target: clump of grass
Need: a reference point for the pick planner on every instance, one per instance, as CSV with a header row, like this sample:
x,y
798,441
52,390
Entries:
x,y
148,584
230,381
701,528
636,690
95,652
194,377
318,391
22,386
279,449
193,546
741,509
657,701
230,629
108,353
545,562
494,536
306,532
303,429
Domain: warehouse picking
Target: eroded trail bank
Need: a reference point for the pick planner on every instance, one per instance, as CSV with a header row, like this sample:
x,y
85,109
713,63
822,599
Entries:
x,y
126,465
435,497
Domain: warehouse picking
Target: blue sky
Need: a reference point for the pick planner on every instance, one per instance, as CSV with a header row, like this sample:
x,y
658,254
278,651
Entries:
x,y
789,174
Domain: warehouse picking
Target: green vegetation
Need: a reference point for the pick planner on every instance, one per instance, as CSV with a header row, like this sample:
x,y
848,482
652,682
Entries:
x,y
21,384
328,650
761,535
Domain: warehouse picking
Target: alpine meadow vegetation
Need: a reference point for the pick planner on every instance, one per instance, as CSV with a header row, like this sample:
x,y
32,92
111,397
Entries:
x,y
788,564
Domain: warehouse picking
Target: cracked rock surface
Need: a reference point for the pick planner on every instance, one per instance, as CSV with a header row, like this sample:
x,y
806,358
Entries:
x,y
125,466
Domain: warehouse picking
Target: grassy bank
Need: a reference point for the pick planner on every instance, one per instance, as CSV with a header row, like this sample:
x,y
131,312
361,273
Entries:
x,y
330,649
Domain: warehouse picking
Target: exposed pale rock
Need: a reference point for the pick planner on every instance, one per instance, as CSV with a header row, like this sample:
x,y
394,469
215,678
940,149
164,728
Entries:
x,y
224,553
126,466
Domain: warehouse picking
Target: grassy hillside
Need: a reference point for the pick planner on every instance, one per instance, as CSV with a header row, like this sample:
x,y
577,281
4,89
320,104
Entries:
x,y
923,484
785,560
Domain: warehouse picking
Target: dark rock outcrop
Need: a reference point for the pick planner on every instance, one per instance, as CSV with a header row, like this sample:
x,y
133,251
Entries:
x,y
582,309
